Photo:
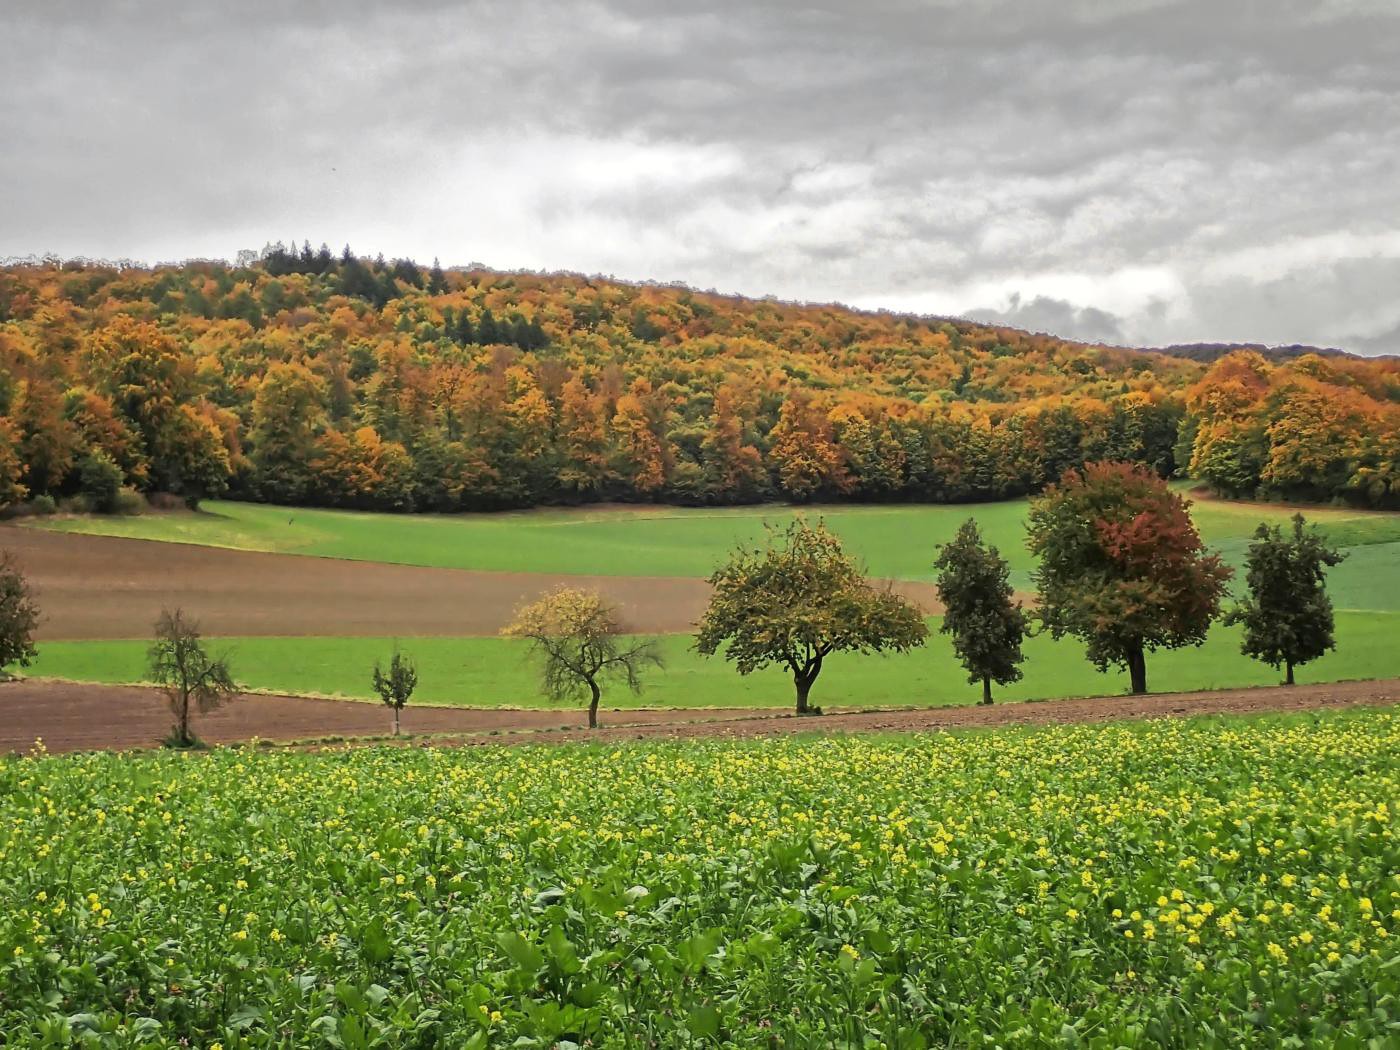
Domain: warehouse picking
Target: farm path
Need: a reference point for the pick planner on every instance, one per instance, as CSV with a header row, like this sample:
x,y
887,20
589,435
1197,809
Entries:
x,y
108,587
72,717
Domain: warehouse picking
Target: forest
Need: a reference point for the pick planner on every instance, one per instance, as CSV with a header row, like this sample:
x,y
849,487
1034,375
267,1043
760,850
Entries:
x,y
305,377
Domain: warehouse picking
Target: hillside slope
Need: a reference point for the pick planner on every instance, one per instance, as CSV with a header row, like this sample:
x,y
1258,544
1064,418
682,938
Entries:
x,y
300,377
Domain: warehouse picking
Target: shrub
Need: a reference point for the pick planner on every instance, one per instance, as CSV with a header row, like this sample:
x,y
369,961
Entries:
x,y
100,481
128,501
78,504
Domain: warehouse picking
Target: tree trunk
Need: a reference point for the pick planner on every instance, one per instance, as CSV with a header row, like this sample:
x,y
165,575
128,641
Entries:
x,y
1137,671
593,704
986,689
1289,680
804,687
182,719
803,680
396,721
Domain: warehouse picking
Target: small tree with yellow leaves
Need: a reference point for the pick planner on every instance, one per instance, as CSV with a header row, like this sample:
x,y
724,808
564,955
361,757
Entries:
x,y
579,640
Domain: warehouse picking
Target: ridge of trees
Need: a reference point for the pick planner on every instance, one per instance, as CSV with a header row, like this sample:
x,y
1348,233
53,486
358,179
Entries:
x,y
303,375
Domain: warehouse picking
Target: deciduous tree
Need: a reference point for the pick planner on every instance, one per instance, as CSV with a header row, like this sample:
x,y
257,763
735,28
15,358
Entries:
x,y
796,602
19,615
577,636
1122,566
289,415
395,687
12,490
1287,617
986,624
805,454
192,679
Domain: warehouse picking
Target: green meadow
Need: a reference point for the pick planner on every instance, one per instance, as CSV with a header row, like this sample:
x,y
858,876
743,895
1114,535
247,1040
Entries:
x,y
495,672
894,541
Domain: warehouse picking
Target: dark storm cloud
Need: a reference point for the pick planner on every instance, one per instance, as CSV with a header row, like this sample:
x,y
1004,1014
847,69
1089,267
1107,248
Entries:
x,y
1137,171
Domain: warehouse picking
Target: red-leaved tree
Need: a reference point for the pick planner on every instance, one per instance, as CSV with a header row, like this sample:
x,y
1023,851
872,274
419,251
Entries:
x,y
1122,566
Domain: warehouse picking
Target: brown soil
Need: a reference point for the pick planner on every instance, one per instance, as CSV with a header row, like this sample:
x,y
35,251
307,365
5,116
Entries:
x,y
109,587
71,717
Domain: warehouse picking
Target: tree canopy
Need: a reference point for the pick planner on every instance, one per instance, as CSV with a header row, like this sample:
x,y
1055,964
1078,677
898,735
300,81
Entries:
x,y
19,615
1287,615
193,679
979,611
302,376
1122,566
578,638
796,602
298,376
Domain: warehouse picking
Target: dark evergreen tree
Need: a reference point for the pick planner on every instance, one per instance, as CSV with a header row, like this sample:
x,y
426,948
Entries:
x,y
385,288
437,280
465,335
1287,617
406,270
986,625
487,331
355,278
532,335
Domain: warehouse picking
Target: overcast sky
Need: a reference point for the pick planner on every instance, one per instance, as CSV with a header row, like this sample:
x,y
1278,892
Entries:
x,y
1135,171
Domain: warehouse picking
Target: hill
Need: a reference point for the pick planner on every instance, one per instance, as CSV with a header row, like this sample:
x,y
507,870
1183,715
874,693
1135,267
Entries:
x,y
302,377
1210,352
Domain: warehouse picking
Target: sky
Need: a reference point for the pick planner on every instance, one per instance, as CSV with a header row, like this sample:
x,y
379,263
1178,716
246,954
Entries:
x,y
1141,172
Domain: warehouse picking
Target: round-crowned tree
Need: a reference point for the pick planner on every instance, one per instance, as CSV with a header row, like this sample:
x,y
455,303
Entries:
x,y
1122,566
797,602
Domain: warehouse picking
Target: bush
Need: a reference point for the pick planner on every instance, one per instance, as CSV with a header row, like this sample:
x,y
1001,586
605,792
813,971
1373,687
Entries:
x,y
100,481
78,504
128,501
165,501
43,505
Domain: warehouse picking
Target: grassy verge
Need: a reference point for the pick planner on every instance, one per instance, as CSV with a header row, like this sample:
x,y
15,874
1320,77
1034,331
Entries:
x,y
494,672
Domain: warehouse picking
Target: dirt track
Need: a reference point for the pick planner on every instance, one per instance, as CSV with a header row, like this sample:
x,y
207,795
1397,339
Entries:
x,y
82,717
107,587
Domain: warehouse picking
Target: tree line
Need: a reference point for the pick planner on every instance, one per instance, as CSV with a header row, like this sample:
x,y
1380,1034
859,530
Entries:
x,y
300,376
1121,568
287,379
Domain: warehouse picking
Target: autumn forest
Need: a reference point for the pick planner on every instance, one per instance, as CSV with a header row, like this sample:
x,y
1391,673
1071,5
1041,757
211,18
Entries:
x,y
299,376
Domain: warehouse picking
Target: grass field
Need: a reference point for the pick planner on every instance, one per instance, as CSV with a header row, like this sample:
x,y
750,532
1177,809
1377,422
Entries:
x,y
894,541
494,672
1204,883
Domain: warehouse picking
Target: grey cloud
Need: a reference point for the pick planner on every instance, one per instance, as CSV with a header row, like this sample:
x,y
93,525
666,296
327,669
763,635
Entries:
x,y
1044,314
950,153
